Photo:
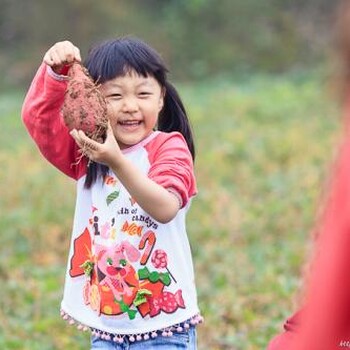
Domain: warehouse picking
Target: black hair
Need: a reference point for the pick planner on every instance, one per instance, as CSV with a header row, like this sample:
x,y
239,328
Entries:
x,y
117,57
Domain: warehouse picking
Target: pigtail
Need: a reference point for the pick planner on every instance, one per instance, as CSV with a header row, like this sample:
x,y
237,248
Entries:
x,y
173,117
93,172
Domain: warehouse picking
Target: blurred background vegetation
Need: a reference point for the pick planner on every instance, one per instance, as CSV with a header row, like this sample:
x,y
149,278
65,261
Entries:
x,y
198,38
253,75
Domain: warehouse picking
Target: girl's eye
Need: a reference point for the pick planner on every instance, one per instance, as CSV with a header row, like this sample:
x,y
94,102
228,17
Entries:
x,y
114,97
145,94
109,261
122,262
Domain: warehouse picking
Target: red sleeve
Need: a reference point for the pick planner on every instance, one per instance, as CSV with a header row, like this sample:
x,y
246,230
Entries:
x,y
172,165
41,114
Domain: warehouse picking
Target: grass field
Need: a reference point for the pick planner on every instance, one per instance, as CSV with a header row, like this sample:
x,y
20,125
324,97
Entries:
x,y
263,150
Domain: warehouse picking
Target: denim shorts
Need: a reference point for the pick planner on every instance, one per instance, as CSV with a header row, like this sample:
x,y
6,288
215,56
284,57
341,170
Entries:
x,y
179,340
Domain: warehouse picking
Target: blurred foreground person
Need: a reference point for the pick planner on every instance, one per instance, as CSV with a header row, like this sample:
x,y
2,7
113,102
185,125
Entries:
x,y
324,320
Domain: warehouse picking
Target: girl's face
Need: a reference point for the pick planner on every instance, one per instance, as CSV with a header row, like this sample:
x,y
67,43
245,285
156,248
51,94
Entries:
x,y
134,103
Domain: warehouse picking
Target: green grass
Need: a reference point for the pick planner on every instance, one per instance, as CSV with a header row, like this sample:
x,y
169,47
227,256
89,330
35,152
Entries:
x,y
263,149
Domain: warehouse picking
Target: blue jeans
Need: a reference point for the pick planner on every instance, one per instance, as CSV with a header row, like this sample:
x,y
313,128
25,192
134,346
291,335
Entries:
x,y
179,340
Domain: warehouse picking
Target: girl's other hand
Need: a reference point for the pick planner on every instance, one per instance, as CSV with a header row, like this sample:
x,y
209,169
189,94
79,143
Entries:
x,y
107,153
61,54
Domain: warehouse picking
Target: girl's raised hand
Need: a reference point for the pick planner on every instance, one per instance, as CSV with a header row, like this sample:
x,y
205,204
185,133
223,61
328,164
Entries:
x,y
61,54
107,153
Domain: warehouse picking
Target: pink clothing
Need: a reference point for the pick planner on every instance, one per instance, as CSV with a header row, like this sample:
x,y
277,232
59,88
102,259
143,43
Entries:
x,y
284,340
127,274
324,322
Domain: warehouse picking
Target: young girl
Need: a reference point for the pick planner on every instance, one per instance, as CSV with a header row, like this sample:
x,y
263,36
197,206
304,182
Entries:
x,y
129,277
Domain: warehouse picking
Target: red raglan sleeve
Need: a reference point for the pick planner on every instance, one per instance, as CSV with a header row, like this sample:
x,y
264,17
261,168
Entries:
x,y
172,165
41,114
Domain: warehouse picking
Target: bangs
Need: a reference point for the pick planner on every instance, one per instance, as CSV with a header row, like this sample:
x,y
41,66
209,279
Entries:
x,y
115,58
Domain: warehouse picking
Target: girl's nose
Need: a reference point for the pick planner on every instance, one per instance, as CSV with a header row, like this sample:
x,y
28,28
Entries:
x,y
130,105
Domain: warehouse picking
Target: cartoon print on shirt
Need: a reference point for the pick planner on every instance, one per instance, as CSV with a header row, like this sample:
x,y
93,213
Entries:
x,y
114,285
110,180
114,264
167,302
132,229
105,230
82,253
112,196
95,225
160,260
147,243
111,281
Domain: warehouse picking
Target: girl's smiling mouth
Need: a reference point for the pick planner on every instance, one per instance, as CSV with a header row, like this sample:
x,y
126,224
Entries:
x,y
129,125
130,122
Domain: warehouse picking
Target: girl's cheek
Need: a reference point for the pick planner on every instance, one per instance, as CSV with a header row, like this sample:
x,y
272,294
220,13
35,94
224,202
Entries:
x,y
111,110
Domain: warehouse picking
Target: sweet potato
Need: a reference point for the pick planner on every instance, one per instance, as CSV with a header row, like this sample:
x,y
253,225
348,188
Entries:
x,y
84,106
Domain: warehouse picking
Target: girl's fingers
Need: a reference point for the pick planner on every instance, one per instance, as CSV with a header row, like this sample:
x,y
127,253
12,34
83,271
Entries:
x,y
83,141
70,53
51,58
62,53
77,54
74,133
56,58
87,142
47,59
109,129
